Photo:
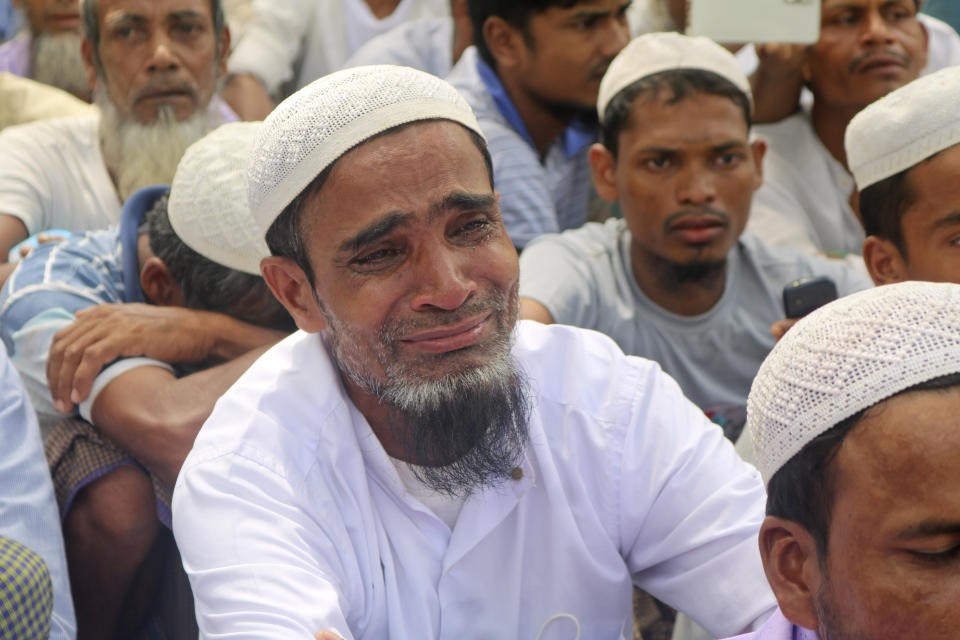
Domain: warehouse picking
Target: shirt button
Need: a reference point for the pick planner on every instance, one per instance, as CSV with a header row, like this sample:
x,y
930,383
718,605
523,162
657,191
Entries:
x,y
517,473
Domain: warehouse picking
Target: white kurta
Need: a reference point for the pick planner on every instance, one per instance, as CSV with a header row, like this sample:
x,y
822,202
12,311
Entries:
x,y
290,517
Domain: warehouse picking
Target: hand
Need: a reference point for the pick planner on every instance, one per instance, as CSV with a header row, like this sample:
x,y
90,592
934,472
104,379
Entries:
x,y
781,60
327,635
779,329
101,334
42,238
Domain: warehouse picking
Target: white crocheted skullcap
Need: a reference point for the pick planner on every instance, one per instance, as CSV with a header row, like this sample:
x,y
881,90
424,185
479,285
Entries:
x,y
654,53
846,357
312,128
905,127
208,199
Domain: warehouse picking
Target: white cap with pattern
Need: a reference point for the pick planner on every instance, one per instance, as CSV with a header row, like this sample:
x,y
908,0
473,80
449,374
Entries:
x,y
846,357
654,53
208,199
312,128
905,127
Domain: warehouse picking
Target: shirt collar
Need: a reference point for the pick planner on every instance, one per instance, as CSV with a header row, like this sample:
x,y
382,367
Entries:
x,y
574,138
131,216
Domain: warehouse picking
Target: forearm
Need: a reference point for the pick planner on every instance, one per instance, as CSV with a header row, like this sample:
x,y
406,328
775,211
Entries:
x,y
155,417
775,95
247,97
233,338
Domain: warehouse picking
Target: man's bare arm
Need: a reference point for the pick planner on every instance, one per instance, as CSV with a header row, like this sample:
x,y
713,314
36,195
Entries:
x,y
530,309
104,333
155,416
247,97
777,82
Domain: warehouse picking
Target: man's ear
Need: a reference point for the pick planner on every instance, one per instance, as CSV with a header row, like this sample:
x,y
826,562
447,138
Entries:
x,y
291,287
603,167
505,42
790,561
224,50
884,261
158,285
88,55
758,149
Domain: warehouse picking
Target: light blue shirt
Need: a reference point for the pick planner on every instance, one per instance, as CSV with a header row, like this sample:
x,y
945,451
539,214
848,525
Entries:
x,y
9,22
537,195
28,508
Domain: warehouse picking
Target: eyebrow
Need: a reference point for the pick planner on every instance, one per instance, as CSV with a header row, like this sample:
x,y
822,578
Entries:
x,y
375,231
187,14
948,220
461,201
930,528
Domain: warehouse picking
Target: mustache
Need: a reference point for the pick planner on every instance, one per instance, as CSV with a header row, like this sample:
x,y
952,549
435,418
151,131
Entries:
x,y
860,60
707,210
473,307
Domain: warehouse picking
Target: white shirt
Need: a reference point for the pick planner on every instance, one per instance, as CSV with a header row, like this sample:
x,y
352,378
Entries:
x,y
805,198
425,44
302,40
52,175
290,517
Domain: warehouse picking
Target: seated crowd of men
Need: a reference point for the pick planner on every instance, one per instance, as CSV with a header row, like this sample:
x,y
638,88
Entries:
x,y
416,319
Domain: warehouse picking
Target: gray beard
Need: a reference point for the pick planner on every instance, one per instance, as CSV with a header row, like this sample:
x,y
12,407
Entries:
x,y
463,431
139,155
56,60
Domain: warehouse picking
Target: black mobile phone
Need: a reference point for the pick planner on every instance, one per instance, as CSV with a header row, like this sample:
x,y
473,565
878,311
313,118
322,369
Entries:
x,y
800,297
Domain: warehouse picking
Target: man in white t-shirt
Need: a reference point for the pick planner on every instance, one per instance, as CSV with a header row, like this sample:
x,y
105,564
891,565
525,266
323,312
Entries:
x,y
154,69
290,43
416,464
866,49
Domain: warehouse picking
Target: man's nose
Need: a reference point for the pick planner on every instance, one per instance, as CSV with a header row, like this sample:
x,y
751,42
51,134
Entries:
x,y
441,282
696,186
616,36
162,57
876,30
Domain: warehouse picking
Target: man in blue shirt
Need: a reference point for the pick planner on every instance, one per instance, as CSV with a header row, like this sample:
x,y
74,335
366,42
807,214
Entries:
x,y
532,79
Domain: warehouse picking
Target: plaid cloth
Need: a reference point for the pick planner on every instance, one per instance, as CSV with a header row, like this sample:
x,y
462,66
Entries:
x,y
26,593
78,455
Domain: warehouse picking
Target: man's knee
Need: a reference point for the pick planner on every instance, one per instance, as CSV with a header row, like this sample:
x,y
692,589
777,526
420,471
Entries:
x,y
119,507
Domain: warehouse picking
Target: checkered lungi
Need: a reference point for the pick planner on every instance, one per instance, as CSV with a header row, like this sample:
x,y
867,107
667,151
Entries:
x,y
78,455
26,593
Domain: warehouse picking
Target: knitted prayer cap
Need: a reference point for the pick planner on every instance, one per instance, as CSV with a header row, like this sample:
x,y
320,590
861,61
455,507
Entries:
x,y
654,53
848,356
312,128
208,199
905,127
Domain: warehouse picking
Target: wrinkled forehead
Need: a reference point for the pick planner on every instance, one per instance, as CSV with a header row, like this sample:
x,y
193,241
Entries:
x,y
152,10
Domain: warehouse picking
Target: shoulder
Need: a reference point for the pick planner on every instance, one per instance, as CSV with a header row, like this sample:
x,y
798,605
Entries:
x,y
780,265
591,240
286,412
77,131
584,371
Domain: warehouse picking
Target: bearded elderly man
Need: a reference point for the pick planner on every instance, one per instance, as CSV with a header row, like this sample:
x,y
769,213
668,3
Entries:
x,y
48,49
416,464
153,66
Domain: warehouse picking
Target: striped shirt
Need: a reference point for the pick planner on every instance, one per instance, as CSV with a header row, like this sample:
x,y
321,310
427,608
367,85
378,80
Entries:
x,y
536,196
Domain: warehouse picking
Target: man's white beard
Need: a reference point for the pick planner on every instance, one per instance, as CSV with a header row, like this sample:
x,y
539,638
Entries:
x,y
55,60
140,155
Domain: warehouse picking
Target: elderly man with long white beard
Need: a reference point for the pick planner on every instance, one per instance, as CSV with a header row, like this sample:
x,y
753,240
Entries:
x,y
153,67
47,49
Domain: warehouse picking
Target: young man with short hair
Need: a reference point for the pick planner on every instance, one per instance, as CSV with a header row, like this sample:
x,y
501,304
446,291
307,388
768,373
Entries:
x,y
904,152
854,416
675,280
532,79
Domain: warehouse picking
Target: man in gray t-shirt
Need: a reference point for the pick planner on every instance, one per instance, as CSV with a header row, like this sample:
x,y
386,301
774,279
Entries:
x,y
675,281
